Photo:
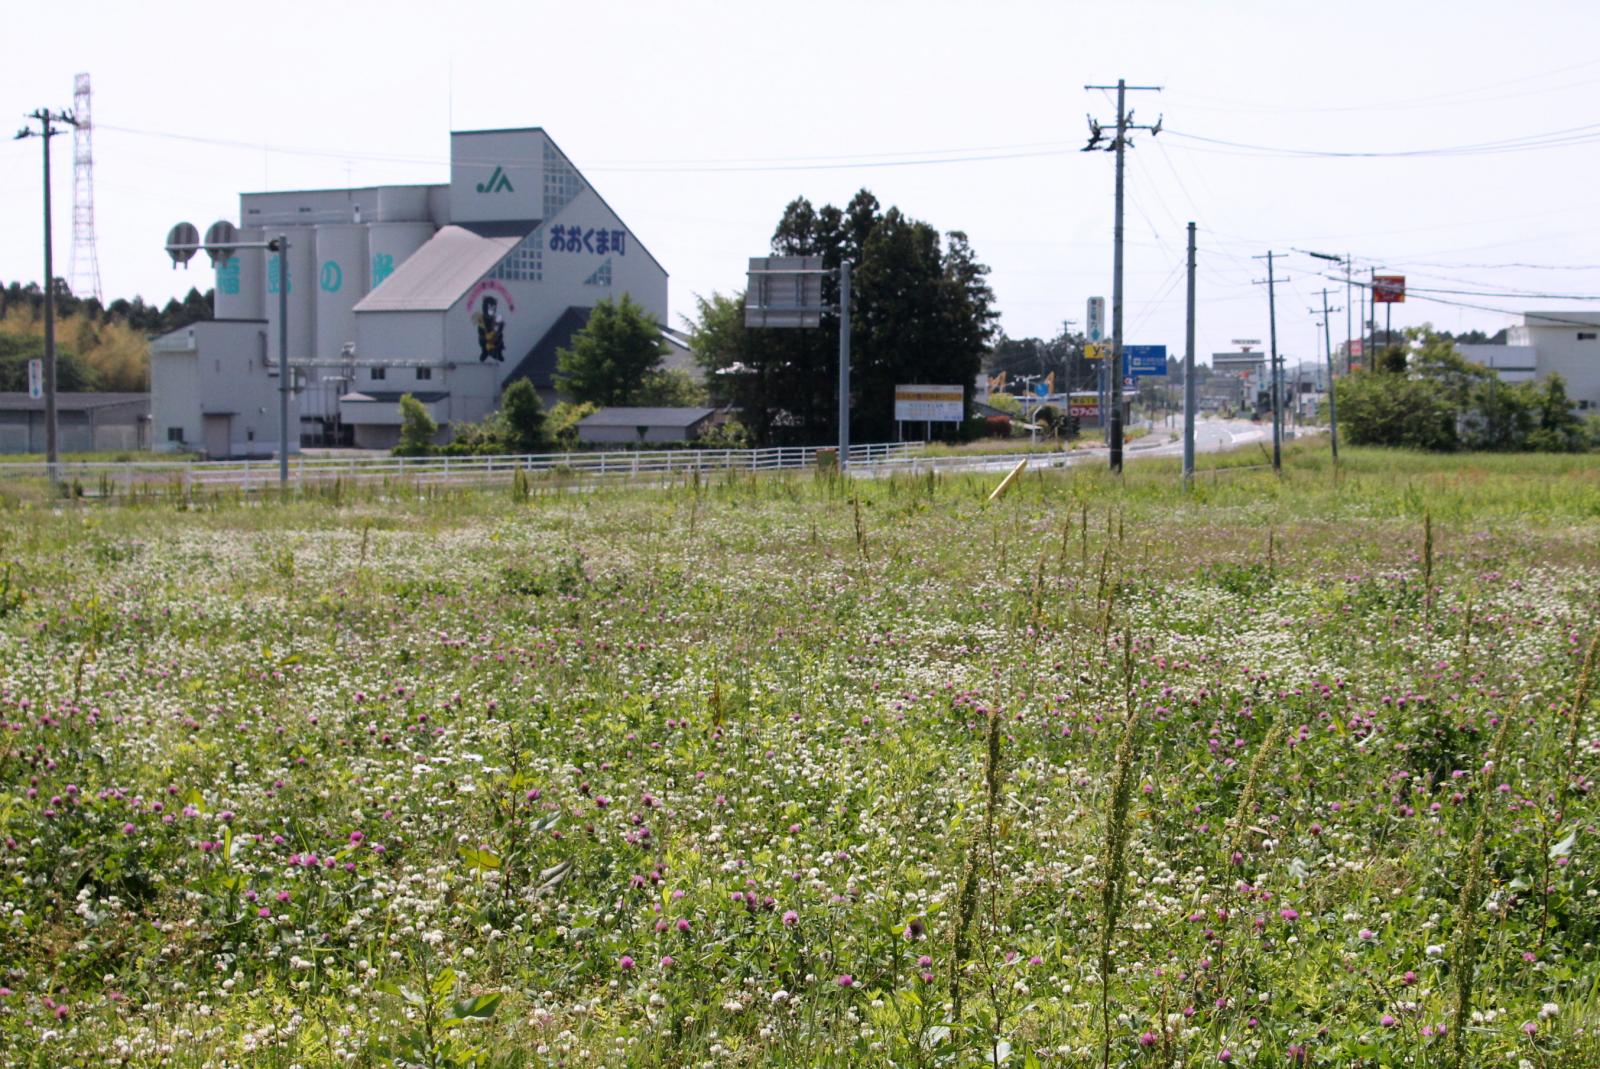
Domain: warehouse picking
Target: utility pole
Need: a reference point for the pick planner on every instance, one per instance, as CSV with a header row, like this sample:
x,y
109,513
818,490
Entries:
x,y
1333,410
1118,145
1274,373
1372,309
1349,265
47,120
1188,375
844,365
285,376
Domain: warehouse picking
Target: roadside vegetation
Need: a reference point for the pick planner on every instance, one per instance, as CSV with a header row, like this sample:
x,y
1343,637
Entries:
x,y
797,770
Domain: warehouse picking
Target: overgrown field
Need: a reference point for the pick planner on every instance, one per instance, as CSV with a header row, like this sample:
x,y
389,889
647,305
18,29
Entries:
x,y
790,771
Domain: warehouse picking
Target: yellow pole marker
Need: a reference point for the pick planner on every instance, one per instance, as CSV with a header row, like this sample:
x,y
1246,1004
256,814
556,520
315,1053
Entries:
x,y
1005,484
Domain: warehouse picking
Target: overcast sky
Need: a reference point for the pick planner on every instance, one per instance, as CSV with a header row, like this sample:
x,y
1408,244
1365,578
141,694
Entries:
x,y
699,120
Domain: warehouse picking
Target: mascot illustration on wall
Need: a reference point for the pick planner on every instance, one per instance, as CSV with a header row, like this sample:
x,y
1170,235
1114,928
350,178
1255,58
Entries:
x,y
491,331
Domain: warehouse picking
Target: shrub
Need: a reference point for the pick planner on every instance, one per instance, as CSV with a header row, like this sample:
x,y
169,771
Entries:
x,y
417,428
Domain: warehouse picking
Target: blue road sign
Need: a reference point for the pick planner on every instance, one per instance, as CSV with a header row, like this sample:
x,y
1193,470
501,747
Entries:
x,y
1140,360
1042,390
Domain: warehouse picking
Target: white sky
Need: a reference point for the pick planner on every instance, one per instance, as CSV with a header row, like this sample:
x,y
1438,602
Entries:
x,y
699,120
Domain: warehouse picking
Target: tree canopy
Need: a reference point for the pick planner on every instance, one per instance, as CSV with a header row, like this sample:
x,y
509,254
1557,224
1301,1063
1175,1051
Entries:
x,y
921,312
97,348
612,356
1425,395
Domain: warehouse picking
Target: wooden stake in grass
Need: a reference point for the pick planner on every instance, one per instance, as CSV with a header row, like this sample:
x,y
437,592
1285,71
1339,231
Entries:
x,y
1005,484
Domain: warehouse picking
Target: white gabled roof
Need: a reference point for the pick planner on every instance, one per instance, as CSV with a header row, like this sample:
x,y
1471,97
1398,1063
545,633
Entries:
x,y
435,276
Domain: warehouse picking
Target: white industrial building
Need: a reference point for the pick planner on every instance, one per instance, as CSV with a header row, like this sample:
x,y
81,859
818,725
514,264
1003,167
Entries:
x,y
1546,343
447,292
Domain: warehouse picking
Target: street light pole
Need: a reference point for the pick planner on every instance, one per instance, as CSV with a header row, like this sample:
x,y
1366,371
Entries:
x,y
283,362
181,252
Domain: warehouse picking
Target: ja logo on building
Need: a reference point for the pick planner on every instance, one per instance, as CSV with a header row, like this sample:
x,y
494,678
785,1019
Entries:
x,y
497,183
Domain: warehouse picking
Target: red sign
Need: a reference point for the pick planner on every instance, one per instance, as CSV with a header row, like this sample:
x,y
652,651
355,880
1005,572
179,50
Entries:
x,y
1086,411
1389,289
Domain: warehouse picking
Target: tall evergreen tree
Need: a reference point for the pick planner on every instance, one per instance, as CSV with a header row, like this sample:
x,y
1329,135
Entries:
x,y
921,312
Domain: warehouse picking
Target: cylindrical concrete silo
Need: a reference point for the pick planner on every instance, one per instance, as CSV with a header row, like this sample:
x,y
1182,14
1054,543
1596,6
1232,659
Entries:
x,y
302,293
341,282
242,281
389,245
401,204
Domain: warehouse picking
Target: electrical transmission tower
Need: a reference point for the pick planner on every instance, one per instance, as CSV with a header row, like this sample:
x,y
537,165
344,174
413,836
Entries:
x,y
84,273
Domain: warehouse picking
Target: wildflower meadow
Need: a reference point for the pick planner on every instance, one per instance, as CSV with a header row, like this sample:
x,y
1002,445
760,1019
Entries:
x,y
800,770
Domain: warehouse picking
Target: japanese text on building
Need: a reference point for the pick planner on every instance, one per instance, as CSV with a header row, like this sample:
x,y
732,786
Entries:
x,y
599,241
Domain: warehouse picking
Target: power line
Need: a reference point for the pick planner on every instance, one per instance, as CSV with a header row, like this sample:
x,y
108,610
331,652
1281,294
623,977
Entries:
x,y
1421,295
910,158
1516,295
1576,135
1430,100
1508,266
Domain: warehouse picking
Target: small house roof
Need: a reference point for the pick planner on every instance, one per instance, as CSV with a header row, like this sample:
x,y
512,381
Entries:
x,y
646,417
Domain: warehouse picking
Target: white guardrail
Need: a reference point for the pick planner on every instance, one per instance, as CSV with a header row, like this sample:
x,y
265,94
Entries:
x,y
873,459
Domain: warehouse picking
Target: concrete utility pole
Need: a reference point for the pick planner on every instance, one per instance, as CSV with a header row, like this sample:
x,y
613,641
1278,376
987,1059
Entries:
x,y
1333,410
284,373
1118,145
1188,375
47,129
844,364
1274,373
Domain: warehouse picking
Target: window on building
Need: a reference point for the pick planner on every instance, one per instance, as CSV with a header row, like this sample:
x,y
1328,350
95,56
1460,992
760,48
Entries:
x,y
376,374
525,263
250,435
174,434
1586,335
424,373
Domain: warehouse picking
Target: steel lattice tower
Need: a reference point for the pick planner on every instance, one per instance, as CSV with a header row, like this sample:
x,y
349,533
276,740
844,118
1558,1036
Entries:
x,y
84,274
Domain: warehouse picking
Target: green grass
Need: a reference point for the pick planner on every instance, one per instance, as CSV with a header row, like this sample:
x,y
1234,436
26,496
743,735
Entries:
x,y
832,727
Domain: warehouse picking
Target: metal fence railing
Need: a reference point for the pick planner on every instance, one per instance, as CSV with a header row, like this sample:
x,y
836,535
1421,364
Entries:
x,y
126,476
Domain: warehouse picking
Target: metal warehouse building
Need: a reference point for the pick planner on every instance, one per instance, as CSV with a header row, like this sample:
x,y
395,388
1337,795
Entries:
x,y
447,292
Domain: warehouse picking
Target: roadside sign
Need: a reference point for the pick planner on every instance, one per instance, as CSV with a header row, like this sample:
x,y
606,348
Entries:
x,y
1096,328
1389,289
1141,360
784,291
35,379
936,404
1042,390
1128,380
1093,351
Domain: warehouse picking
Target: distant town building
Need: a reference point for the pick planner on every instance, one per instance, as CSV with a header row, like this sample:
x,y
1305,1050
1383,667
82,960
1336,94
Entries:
x,y
448,291
87,422
645,425
1513,363
1565,344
